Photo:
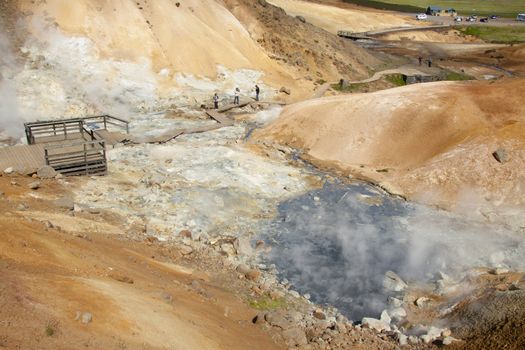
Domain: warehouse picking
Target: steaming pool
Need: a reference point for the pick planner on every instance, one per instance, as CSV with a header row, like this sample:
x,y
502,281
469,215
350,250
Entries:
x,y
337,243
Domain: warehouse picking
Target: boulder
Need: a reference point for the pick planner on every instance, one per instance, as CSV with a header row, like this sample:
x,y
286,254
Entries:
x,y
433,333
35,185
285,90
243,269
278,319
393,282
500,155
295,337
301,18
319,314
46,172
253,275
383,324
86,318
9,170
242,246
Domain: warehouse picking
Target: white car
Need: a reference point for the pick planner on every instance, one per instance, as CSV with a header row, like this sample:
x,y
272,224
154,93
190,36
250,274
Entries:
x,y
421,16
458,19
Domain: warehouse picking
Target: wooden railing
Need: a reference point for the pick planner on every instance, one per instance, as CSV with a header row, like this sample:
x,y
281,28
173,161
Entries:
x,y
55,130
59,130
105,121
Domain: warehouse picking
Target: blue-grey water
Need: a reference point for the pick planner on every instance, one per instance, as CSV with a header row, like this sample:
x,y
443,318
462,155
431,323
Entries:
x,y
337,243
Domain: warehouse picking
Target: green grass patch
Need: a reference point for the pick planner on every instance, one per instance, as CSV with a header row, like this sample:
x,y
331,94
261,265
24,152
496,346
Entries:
x,y
502,8
507,34
396,79
455,76
50,330
267,303
348,88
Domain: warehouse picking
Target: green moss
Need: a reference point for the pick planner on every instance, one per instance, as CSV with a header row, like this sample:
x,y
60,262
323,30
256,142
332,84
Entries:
x,y
396,79
267,303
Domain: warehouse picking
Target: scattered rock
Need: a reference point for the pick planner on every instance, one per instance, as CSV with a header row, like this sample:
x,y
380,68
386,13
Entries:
x,y
449,340
243,269
397,313
242,246
86,317
278,319
185,233
34,185
285,90
393,282
319,314
59,176
301,18
422,301
295,337
9,170
499,271
121,278
253,275
14,183
433,333
186,250
402,339
228,249
22,207
500,155
65,202
383,324
263,3
46,172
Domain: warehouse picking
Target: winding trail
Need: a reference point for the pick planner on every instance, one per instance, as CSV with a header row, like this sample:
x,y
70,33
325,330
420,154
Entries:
x,y
405,70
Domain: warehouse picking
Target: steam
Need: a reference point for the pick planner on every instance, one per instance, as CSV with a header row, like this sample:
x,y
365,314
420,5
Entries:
x,y
10,121
337,244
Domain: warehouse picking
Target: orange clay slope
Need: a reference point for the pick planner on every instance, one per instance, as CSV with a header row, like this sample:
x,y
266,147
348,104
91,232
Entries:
x,y
431,142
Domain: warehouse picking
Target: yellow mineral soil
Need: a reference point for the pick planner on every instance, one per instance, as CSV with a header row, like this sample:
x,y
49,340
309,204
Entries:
x,y
334,18
432,142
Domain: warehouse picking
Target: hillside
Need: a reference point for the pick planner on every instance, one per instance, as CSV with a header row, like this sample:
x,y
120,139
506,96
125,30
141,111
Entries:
x,y
431,142
88,57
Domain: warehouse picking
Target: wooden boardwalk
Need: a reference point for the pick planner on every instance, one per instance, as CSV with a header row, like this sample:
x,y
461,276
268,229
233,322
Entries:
x,y
22,157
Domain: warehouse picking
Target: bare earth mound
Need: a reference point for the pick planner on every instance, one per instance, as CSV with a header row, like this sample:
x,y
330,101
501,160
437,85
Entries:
x,y
432,142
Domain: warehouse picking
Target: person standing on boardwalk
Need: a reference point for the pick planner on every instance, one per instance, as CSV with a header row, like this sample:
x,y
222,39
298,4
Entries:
x,y
236,96
216,101
430,62
420,59
257,91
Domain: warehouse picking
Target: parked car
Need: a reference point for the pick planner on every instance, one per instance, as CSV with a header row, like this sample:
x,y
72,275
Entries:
x,y
458,19
421,16
493,17
484,20
521,17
